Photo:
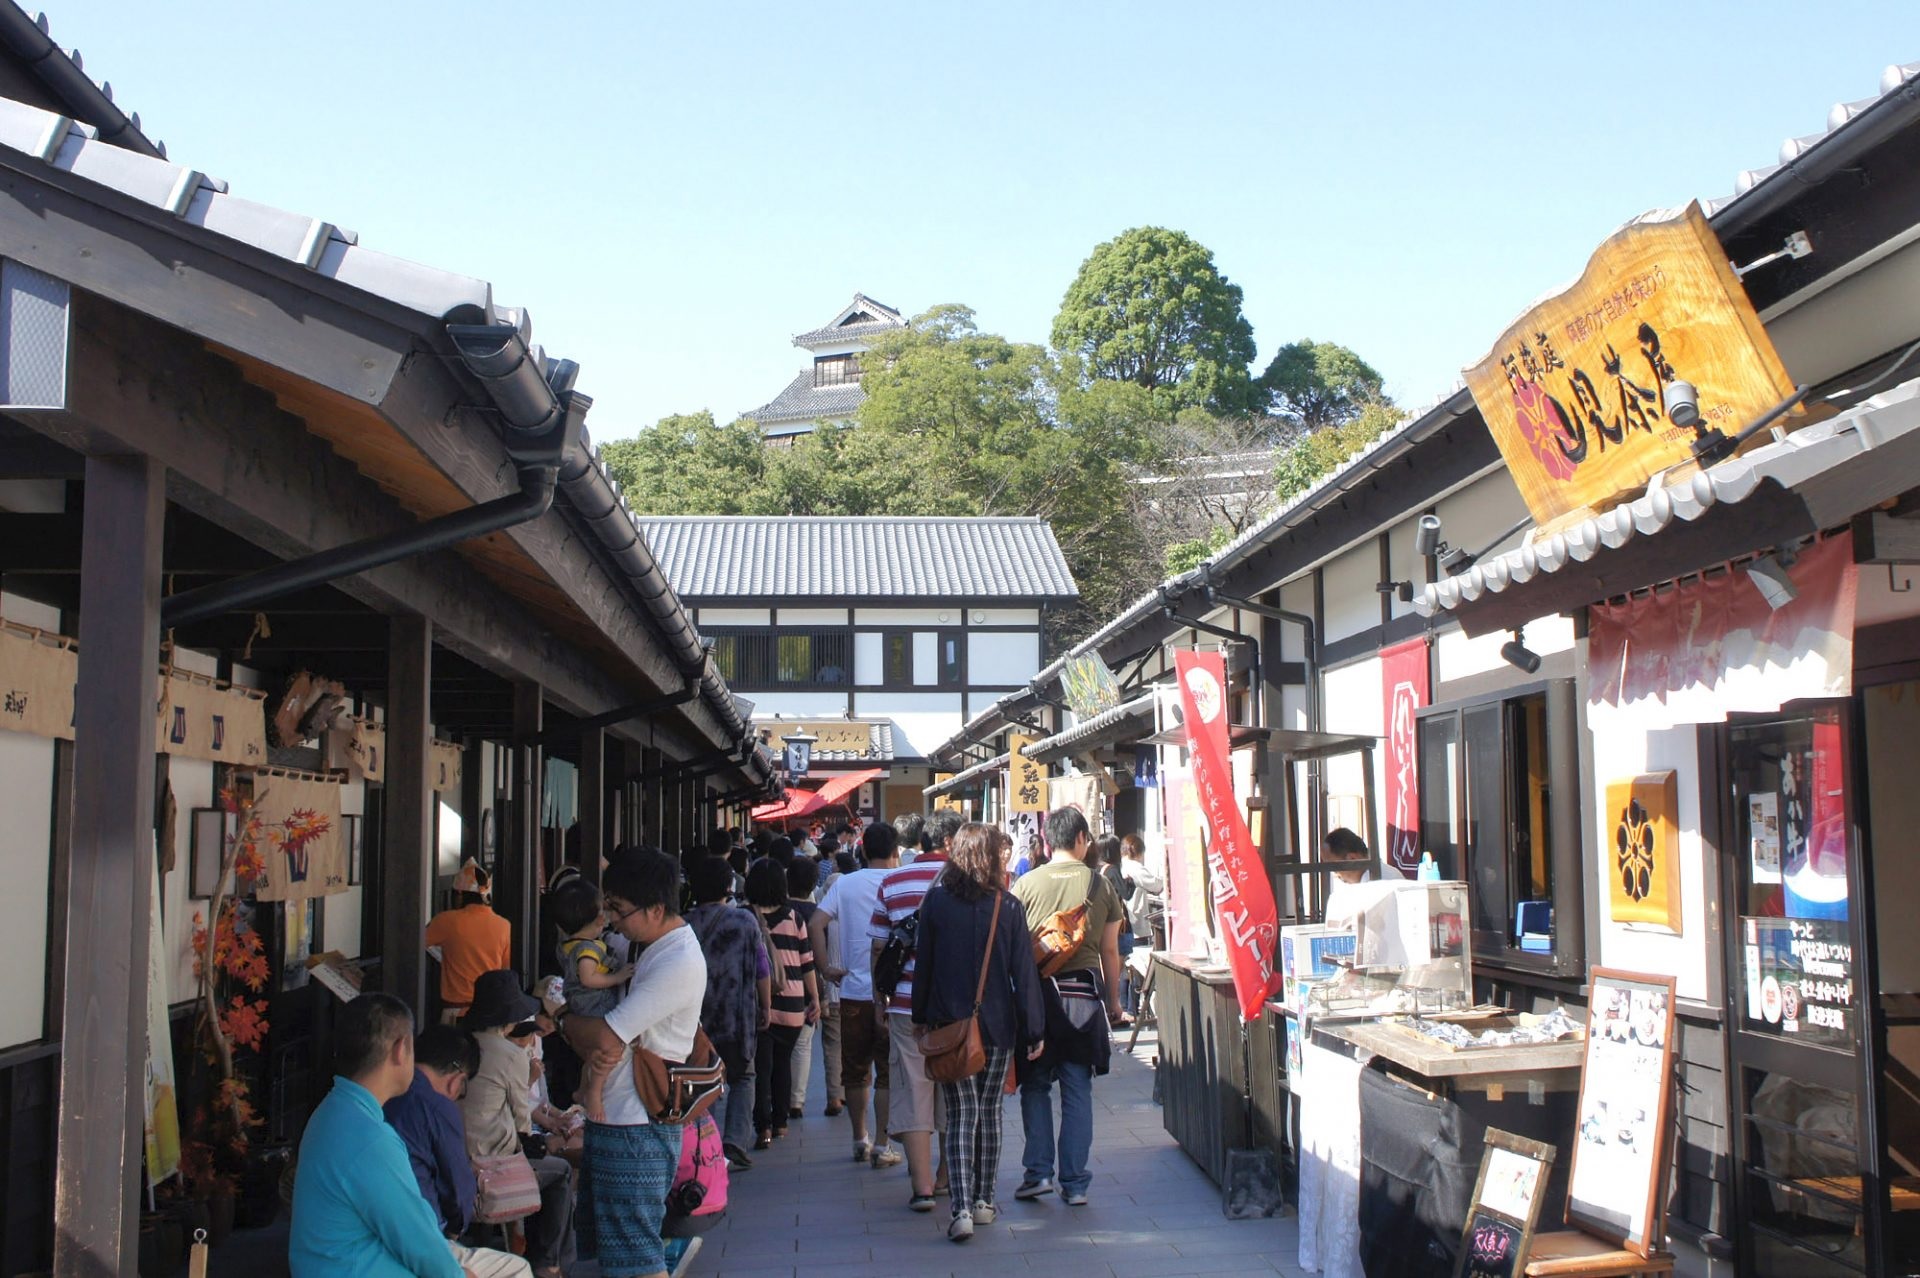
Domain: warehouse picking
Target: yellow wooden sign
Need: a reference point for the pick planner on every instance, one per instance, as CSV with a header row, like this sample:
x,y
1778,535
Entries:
x,y
1026,780
1644,851
1574,392
837,736
949,799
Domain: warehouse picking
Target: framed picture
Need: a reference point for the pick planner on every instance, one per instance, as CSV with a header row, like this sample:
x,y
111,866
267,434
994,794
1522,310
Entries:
x,y
210,831
1505,1206
350,826
1626,1098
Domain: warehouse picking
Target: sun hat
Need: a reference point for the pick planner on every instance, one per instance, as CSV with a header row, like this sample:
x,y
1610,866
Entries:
x,y
498,1000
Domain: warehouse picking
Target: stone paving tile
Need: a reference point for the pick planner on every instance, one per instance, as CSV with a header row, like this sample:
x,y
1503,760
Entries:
x,y
806,1210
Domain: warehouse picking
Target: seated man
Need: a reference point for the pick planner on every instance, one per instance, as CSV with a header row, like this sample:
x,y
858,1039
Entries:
x,y
357,1208
427,1116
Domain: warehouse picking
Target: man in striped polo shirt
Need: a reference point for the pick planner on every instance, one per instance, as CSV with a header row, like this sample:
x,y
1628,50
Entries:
x,y
917,1113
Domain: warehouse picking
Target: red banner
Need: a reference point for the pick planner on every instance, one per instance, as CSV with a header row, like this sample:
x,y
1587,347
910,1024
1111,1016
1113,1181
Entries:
x,y
1242,896
1403,674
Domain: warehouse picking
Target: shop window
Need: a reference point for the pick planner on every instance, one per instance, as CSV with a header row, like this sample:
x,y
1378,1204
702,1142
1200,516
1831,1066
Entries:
x,y
898,647
1498,809
952,667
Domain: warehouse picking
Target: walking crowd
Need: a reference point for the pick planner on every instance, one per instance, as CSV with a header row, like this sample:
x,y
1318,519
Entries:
x,y
601,1113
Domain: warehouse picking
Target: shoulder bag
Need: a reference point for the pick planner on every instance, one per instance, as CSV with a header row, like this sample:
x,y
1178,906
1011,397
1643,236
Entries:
x,y
1062,935
677,1092
508,1189
954,1051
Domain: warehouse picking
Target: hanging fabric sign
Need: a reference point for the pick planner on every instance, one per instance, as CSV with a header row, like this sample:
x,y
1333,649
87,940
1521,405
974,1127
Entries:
x,y
1026,780
1242,896
366,748
1710,648
37,674
1079,791
443,766
303,852
197,719
1403,674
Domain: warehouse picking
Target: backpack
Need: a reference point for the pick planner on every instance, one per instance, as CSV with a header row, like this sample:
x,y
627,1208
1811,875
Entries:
x,y
679,1091
890,964
1057,940
698,1199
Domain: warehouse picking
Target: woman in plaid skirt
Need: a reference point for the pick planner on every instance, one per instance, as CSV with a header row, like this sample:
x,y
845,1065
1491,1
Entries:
x,y
955,923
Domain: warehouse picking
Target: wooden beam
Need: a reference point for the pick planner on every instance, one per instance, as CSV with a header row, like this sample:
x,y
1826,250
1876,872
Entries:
x,y
110,879
236,459
407,877
593,802
517,887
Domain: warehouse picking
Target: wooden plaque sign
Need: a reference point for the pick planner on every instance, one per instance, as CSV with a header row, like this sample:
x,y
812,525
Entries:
x,y
1505,1208
1574,390
1626,1097
1644,886
1026,780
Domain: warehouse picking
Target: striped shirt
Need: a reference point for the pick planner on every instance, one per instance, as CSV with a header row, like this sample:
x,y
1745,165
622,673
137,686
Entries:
x,y
900,895
796,957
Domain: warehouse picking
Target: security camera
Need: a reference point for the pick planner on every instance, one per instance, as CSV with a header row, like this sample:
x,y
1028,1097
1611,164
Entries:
x,y
1683,404
1426,539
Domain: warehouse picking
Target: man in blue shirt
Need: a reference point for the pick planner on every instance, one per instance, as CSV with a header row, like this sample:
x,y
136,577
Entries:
x,y
427,1116
357,1208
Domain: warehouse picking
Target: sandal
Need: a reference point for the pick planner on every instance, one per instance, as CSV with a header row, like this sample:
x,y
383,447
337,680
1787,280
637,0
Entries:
x,y
763,1141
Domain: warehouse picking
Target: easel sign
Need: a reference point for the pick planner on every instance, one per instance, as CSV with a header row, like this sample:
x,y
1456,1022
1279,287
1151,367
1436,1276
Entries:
x,y
1506,1206
1626,1096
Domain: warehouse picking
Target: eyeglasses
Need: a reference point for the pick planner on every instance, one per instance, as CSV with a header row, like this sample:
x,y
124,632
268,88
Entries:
x,y
617,917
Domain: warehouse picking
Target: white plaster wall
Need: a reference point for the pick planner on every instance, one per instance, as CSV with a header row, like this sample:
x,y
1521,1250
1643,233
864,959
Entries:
x,y
948,615
1002,657
812,617
1355,702
1003,616
869,659
1480,512
799,704
921,720
733,617
1460,657
1352,604
1295,596
26,852
1620,753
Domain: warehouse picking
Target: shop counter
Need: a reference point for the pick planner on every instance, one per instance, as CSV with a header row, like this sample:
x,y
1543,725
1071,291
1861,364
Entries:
x,y
1218,1091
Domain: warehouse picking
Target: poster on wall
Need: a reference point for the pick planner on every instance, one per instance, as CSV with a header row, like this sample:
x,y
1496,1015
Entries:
x,y
1625,1094
1403,674
304,854
1799,977
1763,836
1813,807
1644,887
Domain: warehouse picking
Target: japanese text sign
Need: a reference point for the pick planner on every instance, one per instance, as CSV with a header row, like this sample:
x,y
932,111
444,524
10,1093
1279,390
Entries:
x,y
1574,391
1404,672
1242,894
1026,780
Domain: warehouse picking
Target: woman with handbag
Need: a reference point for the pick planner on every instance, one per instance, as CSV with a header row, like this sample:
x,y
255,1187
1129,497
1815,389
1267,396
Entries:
x,y
976,998
498,1115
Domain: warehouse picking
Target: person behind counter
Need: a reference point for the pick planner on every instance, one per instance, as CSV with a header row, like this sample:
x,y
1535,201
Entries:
x,y
1344,845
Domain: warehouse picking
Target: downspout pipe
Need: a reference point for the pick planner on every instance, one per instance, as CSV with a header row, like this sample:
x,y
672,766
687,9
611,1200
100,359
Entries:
x,y
1254,680
1309,644
541,416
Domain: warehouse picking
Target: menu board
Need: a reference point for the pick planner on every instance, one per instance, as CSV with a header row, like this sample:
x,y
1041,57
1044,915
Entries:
x,y
1506,1206
1626,1091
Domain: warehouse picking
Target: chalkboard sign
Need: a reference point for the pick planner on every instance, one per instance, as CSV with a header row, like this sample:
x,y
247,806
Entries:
x,y
1506,1205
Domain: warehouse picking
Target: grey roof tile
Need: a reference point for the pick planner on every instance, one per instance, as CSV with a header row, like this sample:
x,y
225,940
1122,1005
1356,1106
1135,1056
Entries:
x,y
802,401
715,557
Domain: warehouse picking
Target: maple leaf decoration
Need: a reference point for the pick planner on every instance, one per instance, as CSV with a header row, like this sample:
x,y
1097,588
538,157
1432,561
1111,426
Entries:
x,y
245,1022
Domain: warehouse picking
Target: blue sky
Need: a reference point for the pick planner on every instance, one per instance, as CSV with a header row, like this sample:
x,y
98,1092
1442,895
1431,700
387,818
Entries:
x,y
674,190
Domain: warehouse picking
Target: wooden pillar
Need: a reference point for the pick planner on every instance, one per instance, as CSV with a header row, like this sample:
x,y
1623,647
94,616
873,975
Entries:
x,y
473,799
407,805
630,794
593,802
652,799
96,1212
517,890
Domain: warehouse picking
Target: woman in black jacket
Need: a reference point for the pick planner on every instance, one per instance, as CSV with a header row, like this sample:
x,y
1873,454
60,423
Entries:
x,y
955,922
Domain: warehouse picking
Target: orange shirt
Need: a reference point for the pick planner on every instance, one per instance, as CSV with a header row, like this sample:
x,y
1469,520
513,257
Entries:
x,y
472,940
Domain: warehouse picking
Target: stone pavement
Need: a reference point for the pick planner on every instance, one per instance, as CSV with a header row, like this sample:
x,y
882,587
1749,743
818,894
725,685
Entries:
x,y
806,1209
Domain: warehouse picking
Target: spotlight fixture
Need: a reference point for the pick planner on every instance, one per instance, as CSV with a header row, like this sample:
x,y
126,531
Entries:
x,y
1426,538
1516,653
1683,404
1403,590
1769,576
1456,560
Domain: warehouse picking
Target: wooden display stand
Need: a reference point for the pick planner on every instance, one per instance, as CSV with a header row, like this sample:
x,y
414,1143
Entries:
x,y
1570,1253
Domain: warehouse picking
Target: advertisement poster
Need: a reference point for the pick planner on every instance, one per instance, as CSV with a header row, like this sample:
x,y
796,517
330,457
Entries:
x,y
1799,975
1813,805
1624,1096
1403,673
1763,833
1243,906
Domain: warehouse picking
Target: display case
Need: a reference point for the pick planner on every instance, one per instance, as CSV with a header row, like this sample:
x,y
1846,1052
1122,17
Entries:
x,y
1413,952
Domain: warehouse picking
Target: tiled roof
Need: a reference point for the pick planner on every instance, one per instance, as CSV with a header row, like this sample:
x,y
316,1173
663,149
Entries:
x,y
711,558
802,401
886,318
1892,80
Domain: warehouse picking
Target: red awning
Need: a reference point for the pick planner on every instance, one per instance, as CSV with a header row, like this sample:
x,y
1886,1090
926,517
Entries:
x,y
799,803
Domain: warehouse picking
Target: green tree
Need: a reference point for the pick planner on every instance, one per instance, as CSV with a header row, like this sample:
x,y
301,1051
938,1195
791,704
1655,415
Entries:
x,y
1318,384
1151,308
1301,465
688,465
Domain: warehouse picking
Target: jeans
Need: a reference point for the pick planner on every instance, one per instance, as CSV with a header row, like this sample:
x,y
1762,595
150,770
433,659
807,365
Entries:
x,y
736,1116
550,1231
1076,1124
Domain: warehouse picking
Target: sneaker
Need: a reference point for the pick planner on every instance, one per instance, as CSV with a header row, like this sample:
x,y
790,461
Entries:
x,y
921,1202
1032,1189
795,1111
983,1213
1074,1197
862,1151
961,1228
832,1110
887,1155
737,1159
677,1265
